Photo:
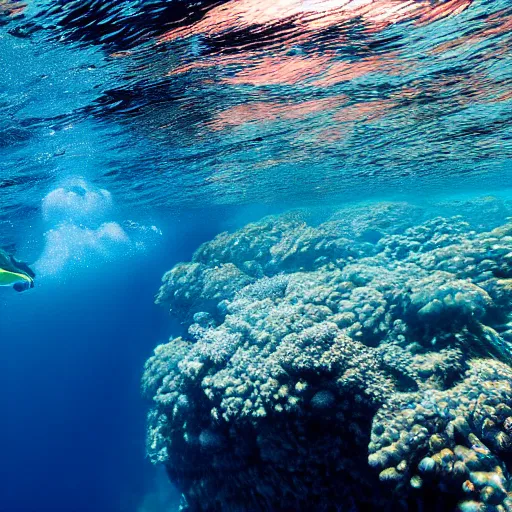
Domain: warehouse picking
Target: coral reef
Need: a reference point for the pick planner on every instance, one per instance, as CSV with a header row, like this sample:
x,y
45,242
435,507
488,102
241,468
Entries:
x,y
459,439
356,362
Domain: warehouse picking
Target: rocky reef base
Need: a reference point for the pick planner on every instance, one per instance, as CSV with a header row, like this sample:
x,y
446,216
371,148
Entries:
x,y
359,361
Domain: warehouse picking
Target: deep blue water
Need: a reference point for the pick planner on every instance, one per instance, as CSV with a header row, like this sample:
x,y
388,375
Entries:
x,y
73,430
131,132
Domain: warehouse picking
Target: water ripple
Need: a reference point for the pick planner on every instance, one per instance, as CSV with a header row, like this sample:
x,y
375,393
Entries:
x,y
257,100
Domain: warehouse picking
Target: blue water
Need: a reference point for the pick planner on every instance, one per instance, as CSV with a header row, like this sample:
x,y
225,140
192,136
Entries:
x,y
73,429
72,405
132,132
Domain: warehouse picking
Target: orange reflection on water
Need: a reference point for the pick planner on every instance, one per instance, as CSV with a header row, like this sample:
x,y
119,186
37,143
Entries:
x,y
10,8
443,10
286,69
501,24
366,111
319,14
263,111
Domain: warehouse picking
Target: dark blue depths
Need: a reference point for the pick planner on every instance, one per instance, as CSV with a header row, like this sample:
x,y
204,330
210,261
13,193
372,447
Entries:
x,y
73,427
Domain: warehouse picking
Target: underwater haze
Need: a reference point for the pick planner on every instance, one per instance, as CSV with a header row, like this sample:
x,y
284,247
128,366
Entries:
x,y
272,247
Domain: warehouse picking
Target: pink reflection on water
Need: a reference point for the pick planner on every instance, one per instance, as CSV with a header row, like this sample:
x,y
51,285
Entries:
x,y
304,19
313,15
443,10
342,114
284,69
11,8
314,70
366,111
500,24
216,61
295,22
263,111
342,71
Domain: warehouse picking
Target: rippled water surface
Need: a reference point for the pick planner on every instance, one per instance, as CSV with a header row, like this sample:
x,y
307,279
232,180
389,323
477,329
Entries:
x,y
172,103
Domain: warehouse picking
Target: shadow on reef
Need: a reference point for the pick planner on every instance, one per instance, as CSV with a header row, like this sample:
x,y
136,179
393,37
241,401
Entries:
x,y
361,363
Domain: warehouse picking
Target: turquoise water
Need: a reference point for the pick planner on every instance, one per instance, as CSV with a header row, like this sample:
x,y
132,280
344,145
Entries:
x,y
341,341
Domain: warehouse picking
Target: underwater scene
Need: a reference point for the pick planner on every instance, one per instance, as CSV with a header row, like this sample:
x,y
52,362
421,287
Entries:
x,y
256,255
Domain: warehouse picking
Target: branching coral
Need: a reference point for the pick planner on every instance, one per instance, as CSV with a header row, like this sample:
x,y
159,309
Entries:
x,y
309,345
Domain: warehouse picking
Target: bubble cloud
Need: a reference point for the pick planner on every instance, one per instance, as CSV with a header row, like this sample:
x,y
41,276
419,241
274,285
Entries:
x,y
81,228
76,201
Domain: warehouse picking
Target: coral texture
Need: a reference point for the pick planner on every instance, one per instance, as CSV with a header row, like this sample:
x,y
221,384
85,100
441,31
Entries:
x,y
357,363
